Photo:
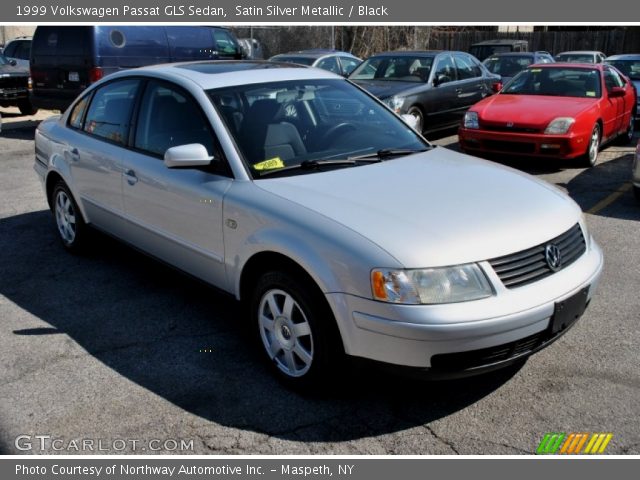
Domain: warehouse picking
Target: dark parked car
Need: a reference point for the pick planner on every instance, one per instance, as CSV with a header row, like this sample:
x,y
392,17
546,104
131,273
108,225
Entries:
x,y
508,65
629,65
18,49
14,86
341,63
435,87
482,50
67,59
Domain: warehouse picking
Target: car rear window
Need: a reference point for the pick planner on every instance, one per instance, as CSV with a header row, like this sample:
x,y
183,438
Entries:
x,y
61,40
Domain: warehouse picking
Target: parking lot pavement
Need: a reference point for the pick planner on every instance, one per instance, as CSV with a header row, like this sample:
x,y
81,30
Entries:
x,y
114,346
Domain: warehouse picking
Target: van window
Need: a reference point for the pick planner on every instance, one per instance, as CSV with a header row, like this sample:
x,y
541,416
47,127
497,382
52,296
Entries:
x,y
225,43
190,42
169,118
110,110
56,41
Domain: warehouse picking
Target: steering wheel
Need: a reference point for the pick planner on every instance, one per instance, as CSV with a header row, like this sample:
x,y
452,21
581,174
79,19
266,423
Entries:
x,y
336,131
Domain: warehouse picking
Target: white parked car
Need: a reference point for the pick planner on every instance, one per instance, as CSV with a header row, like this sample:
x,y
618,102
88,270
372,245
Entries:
x,y
343,230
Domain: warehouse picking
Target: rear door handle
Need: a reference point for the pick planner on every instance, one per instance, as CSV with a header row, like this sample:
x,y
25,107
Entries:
x,y
458,91
130,175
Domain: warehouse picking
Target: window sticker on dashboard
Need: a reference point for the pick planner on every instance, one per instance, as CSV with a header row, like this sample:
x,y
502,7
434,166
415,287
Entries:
x,y
590,94
535,70
270,164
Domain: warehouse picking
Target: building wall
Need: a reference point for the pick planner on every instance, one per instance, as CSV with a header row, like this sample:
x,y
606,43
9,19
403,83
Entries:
x,y
12,31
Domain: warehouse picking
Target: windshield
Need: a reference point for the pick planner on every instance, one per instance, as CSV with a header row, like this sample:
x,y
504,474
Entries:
x,y
284,124
299,60
576,58
631,68
508,66
559,82
404,68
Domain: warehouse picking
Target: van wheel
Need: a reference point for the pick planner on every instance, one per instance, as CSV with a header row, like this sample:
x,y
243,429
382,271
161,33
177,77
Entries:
x,y
296,329
71,227
26,108
636,192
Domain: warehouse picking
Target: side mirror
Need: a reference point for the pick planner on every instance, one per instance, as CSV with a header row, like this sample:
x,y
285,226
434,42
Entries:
x,y
496,86
616,92
410,120
12,62
191,155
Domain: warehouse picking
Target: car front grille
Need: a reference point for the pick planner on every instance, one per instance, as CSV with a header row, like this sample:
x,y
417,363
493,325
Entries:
x,y
13,83
528,266
514,129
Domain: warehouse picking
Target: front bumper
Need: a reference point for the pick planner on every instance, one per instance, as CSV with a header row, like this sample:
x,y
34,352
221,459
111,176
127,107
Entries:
x,y
415,335
526,144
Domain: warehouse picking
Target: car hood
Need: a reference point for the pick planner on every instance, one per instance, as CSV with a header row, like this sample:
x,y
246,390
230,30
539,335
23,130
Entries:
x,y
384,89
534,111
13,71
435,208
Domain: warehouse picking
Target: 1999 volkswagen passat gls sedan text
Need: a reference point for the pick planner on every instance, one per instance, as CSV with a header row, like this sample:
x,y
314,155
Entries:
x,y
343,230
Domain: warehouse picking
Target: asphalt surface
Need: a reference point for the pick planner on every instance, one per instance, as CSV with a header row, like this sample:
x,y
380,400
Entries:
x,y
114,348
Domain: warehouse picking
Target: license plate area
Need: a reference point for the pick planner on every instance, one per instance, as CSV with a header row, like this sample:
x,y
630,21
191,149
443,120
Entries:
x,y
74,77
568,311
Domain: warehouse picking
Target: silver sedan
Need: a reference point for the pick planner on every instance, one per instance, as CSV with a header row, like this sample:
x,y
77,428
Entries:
x,y
344,231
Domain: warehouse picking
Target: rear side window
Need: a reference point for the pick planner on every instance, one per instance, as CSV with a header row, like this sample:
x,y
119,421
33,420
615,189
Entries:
x,y
330,64
348,64
110,111
168,118
466,67
446,71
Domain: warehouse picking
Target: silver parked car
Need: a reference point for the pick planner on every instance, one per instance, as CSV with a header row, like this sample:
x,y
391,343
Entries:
x,y
342,229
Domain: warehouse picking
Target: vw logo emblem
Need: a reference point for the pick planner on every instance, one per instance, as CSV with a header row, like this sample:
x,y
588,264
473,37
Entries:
x,y
553,256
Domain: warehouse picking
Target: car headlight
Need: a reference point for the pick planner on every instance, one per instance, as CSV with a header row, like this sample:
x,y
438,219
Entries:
x,y
394,103
559,126
471,120
459,283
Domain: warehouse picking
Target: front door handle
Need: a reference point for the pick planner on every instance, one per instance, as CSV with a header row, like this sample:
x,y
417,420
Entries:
x,y
458,91
130,175
74,154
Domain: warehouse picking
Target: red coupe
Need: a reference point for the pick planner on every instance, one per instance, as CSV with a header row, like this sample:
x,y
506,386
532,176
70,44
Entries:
x,y
555,110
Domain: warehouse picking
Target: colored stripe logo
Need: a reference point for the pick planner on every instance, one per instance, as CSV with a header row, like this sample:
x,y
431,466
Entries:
x,y
574,443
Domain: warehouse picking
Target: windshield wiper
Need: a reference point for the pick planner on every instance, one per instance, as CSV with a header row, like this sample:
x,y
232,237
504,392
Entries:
x,y
309,165
389,152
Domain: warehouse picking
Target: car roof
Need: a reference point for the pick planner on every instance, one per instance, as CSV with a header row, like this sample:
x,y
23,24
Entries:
x,y
575,52
312,53
224,73
624,56
500,42
516,54
413,53
585,66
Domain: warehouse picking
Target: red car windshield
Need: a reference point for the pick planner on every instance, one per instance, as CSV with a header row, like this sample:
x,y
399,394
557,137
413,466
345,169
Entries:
x,y
557,82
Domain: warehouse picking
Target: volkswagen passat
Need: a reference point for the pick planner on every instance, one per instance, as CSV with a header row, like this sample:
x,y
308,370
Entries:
x,y
342,229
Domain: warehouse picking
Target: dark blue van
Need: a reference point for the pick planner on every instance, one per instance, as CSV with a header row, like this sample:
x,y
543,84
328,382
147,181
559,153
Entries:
x,y
66,59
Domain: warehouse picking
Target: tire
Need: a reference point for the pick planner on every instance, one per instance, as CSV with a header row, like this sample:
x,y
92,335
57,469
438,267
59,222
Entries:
x,y
26,108
636,192
627,137
590,158
416,112
70,225
296,330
